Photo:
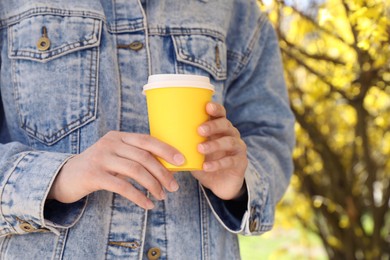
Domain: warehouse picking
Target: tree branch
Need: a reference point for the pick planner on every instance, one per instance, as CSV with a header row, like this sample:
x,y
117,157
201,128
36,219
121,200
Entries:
x,y
318,74
309,55
331,162
315,24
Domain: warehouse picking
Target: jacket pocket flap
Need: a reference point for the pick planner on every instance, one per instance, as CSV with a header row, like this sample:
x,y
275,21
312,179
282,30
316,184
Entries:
x,y
202,51
65,34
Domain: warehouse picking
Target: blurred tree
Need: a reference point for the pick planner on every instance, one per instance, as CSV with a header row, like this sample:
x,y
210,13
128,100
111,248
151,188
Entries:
x,y
337,65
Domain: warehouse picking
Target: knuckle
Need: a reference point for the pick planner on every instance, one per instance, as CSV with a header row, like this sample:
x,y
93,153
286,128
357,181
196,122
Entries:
x,y
143,140
166,177
228,124
144,156
134,168
216,145
232,142
243,145
161,173
122,187
153,186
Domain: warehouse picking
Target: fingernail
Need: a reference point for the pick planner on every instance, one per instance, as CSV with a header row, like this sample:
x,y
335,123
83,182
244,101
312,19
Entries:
x,y
149,204
203,147
204,129
174,186
179,159
207,166
213,107
163,195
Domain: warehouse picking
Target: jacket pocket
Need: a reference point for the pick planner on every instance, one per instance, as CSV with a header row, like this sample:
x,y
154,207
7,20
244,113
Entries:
x,y
203,52
55,82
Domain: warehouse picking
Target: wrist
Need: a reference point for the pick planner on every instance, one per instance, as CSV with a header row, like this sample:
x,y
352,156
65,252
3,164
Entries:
x,y
242,193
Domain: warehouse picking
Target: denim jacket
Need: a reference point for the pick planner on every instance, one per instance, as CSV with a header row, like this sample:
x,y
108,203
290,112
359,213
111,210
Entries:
x,y
70,71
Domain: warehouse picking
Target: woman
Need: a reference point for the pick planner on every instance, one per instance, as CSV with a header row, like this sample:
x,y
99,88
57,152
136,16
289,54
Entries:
x,y
78,174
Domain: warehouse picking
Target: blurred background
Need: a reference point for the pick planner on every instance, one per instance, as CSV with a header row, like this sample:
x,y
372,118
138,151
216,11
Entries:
x,y
337,68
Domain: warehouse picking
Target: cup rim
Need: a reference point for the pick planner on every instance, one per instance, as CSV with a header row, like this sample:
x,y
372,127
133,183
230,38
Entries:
x,y
177,80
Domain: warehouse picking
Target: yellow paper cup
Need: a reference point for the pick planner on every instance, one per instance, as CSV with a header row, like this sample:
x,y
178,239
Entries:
x,y
176,108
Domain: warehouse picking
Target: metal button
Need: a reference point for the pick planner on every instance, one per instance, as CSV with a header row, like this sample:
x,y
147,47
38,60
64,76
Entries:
x,y
154,253
26,227
135,46
43,42
253,225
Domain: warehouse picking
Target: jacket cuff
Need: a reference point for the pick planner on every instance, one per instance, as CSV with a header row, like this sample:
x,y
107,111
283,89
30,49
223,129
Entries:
x,y
24,205
257,217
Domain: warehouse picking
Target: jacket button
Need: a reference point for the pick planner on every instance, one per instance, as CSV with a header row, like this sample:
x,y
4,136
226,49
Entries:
x,y
43,43
154,253
136,46
253,225
26,227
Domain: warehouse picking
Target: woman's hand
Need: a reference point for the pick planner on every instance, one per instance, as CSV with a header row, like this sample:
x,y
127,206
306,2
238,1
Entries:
x,y
226,158
111,161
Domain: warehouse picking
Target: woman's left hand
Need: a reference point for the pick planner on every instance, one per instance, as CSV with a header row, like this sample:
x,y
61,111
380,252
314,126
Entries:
x,y
226,159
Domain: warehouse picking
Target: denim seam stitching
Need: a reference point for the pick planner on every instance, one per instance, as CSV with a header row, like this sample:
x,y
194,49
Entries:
x,y
60,245
247,54
93,81
66,49
48,11
146,35
59,51
4,246
137,25
186,31
11,228
220,74
165,229
143,234
232,55
110,225
204,223
72,125
16,87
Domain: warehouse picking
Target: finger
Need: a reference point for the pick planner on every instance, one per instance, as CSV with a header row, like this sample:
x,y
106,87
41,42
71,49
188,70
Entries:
x,y
225,163
139,174
150,163
227,144
125,189
218,126
155,146
215,109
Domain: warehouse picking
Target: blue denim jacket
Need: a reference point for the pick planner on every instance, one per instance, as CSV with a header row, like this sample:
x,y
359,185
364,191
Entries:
x,y
60,100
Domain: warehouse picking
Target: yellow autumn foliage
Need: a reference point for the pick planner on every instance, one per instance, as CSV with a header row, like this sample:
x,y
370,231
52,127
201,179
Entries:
x,y
336,57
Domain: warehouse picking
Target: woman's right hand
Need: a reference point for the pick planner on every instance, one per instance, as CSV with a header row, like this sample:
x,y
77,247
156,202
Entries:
x,y
111,161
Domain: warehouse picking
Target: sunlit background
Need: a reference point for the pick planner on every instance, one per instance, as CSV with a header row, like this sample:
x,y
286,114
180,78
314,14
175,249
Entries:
x,y
336,55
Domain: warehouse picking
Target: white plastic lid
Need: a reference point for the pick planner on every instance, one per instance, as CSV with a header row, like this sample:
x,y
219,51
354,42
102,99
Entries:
x,y
177,80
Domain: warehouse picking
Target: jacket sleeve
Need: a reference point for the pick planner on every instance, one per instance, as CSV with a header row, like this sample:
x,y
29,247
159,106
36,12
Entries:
x,y
257,104
26,176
